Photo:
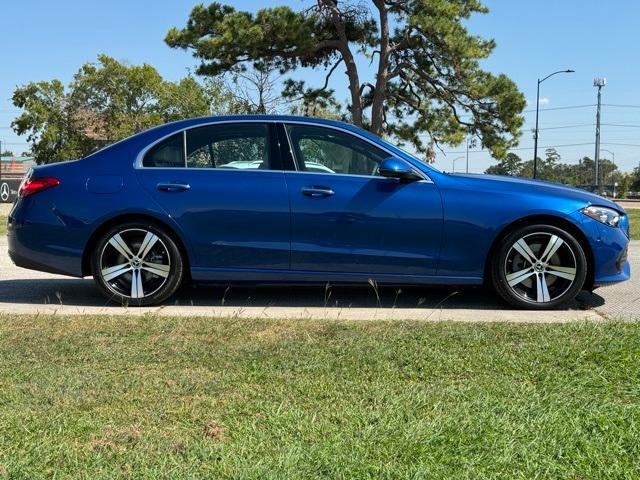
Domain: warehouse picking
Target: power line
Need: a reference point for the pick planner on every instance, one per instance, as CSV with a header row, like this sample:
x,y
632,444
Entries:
x,y
548,146
569,126
619,105
621,125
566,107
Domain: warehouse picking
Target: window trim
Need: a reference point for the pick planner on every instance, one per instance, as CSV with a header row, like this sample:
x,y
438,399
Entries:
x,y
137,164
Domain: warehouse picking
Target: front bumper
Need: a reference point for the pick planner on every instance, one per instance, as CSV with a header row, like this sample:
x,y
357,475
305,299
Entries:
x,y
609,246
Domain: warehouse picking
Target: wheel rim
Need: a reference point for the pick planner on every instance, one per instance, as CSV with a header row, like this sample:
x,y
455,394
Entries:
x,y
540,267
135,263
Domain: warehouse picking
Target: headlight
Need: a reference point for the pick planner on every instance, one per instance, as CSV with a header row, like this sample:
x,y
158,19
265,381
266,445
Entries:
x,y
604,215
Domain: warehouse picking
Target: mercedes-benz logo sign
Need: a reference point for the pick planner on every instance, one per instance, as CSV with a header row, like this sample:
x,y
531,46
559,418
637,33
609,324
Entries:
x,y
4,192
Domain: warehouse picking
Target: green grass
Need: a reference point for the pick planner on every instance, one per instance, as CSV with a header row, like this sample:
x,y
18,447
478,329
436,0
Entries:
x,y
634,218
101,397
3,225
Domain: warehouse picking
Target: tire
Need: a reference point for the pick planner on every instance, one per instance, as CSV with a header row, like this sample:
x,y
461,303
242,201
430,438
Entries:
x,y
539,267
137,264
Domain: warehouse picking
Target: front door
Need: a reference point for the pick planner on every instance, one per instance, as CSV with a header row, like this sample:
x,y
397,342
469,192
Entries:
x,y
346,218
228,195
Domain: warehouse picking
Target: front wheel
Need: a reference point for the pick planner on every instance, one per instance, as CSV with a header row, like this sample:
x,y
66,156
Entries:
x,y
539,267
137,264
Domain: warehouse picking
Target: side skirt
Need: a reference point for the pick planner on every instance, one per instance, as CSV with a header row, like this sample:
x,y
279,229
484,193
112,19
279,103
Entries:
x,y
269,277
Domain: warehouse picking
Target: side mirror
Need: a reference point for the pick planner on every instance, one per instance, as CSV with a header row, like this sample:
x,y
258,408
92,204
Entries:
x,y
394,167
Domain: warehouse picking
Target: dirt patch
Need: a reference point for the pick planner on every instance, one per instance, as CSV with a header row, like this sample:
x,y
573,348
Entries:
x,y
113,438
214,431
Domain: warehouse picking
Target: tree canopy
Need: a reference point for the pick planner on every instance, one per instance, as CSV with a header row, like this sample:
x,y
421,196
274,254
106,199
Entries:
x,y
105,102
426,85
581,173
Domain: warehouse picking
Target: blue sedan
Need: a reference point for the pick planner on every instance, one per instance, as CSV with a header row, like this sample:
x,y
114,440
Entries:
x,y
290,200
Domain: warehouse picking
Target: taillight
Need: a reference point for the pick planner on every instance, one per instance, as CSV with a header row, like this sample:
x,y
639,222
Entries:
x,y
30,186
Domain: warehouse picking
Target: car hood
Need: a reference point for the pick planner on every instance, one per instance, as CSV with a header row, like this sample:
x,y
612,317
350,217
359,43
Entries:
x,y
526,185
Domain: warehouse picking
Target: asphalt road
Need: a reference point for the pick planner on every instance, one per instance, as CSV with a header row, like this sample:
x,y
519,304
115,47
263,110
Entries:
x,y
26,291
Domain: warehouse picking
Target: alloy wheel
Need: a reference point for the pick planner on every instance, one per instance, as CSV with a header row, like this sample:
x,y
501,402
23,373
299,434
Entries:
x,y
540,267
135,263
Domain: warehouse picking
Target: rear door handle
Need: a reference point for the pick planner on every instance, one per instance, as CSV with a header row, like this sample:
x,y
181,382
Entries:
x,y
316,191
173,187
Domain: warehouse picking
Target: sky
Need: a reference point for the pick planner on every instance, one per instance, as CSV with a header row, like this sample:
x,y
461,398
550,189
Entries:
x,y
42,40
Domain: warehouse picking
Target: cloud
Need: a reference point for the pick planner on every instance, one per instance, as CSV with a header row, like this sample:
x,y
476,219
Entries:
x,y
543,101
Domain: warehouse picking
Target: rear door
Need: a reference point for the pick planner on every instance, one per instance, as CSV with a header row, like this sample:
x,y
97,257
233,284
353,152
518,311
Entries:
x,y
224,185
346,218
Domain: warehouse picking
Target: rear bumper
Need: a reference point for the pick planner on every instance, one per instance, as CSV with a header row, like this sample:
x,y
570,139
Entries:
x,y
31,264
43,243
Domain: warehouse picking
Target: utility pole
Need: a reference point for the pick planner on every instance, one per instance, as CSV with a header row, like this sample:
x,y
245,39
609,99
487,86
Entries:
x,y
467,154
598,83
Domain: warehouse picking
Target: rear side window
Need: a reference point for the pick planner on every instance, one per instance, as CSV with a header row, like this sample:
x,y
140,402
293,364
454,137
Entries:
x,y
243,146
169,153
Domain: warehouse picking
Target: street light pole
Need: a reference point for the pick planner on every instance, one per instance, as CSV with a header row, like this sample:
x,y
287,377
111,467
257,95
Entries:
x,y
453,164
613,159
535,133
598,83
467,154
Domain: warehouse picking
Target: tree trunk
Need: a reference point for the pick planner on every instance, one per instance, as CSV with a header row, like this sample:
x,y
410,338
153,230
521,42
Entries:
x,y
354,86
379,93
331,7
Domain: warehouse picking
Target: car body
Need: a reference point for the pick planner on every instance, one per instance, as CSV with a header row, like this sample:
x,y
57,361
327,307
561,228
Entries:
x,y
339,220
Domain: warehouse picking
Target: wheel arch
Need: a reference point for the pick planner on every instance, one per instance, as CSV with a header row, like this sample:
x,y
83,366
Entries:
x,y
133,217
546,220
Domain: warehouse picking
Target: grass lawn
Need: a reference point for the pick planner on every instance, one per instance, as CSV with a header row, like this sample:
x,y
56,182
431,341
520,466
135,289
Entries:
x,y
100,397
634,218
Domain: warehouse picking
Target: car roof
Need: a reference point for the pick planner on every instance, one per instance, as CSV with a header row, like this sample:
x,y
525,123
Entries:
x,y
193,122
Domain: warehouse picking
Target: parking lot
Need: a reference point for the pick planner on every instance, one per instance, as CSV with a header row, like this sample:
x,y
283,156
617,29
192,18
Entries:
x,y
26,291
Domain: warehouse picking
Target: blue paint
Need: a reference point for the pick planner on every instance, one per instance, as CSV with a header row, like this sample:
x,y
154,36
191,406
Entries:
x,y
282,225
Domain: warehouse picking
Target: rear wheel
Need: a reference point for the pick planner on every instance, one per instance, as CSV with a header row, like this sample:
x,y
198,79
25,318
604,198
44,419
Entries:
x,y
539,267
137,264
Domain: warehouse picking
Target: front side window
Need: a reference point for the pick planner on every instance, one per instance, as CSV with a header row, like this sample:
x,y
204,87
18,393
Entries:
x,y
327,150
168,153
229,145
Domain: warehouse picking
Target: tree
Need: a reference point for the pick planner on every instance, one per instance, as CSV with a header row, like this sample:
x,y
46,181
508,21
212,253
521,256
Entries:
x,y
635,180
256,90
7,153
511,165
427,81
105,102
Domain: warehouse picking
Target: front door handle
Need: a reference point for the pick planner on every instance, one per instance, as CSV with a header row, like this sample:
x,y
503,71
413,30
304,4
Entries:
x,y
173,187
316,191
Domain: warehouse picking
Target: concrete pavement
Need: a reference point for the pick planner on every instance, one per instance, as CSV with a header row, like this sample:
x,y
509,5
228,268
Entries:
x,y
26,291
